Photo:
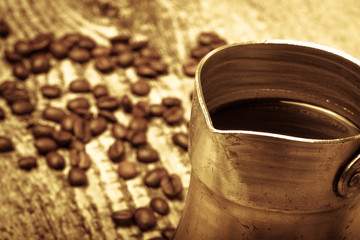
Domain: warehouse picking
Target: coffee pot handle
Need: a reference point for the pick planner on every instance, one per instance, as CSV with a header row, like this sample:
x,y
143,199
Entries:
x,y
348,184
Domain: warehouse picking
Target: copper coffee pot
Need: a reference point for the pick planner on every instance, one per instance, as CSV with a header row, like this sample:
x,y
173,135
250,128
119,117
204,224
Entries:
x,y
251,184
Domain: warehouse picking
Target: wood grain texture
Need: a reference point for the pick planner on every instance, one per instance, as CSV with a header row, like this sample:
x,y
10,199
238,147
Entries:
x,y
40,204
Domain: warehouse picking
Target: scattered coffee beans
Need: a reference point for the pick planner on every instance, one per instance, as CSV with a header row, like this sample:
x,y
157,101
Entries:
x,y
144,218
147,155
77,177
53,114
159,205
126,104
173,115
157,110
107,103
180,139
119,131
59,49
62,137
82,130
79,55
123,217
168,233
79,158
6,144
22,107
171,102
136,138
127,170
79,102
27,163
116,151
80,86
45,145
171,186
104,64
40,63
140,88
138,124
125,58
97,125
51,91
40,130
153,177
100,91
67,122
55,161
108,115
20,70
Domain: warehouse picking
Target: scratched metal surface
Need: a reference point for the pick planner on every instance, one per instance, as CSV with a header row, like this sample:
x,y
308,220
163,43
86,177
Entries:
x,y
40,204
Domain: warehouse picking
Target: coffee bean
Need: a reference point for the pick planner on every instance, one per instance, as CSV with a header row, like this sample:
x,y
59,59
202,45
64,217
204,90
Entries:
x,y
138,124
190,66
147,155
168,233
55,161
62,137
138,61
146,71
27,163
79,102
157,109
126,104
206,38
122,38
180,139
40,130
77,177
153,177
2,114
109,116
20,70
149,52
100,90
98,125
53,114
159,66
127,170
171,186
119,131
67,123
41,42
125,58
6,144
83,112
79,55
12,56
104,64
77,145
23,48
80,86
171,102
107,103
87,43
122,217
4,28
137,45
219,43
173,115
79,159
13,95
40,63
51,91
144,218
116,151
45,145
22,107
82,130
72,38
159,205
137,138
59,49
100,51
141,109
7,86
119,48
199,52
140,88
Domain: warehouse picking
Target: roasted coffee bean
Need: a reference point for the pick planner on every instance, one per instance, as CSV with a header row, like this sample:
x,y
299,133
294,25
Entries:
x,y
77,145
219,43
137,138
22,107
45,145
119,48
41,42
107,103
53,114
100,90
190,66
80,85
104,64
137,45
62,137
206,38
40,130
20,70
126,104
2,114
116,151
87,43
157,109
40,63
67,123
55,161
79,55
149,52
82,130
122,217
79,159
83,112
109,116
72,38
171,186
140,88
173,115
180,139
138,124
23,48
59,49
51,91
77,177
159,66
159,205
153,177
168,233
13,95
4,28
98,125
141,109
12,56
127,170
119,131
27,163
122,38
171,102
7,86
79,102
144,218
125,59
138,61
6,144
100,51
147,155
145,71
199,52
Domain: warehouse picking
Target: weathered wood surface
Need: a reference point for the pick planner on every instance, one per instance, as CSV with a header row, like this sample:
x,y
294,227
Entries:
x,y
40,204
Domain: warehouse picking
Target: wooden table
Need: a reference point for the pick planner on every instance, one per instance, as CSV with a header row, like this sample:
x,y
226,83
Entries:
x,y
40,204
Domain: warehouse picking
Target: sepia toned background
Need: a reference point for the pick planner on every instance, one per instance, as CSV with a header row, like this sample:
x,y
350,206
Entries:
x,y
41,204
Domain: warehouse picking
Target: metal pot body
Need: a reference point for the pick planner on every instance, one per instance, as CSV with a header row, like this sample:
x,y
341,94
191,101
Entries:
x,y
259,185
